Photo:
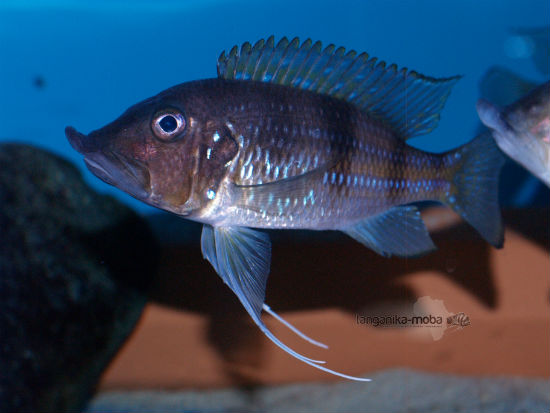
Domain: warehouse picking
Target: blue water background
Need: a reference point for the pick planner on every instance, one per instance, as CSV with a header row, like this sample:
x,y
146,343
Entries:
x,y
96,58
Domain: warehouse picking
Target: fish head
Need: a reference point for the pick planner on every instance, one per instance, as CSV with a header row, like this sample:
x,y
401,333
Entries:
x,y
168,151
522,130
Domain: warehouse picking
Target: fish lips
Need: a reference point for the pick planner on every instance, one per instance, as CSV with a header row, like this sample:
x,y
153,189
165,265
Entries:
x,y
129,175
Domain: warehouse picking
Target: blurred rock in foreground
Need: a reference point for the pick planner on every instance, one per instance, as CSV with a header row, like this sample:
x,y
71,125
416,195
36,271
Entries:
x,y
74,267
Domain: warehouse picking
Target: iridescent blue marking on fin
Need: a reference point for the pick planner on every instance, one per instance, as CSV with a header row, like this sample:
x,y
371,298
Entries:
x,y
399,231
241,257
407,100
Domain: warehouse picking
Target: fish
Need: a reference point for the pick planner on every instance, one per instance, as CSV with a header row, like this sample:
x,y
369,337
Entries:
x,y
291,135
522,129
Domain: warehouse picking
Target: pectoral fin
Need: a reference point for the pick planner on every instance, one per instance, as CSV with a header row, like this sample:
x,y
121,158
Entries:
x,y
241,257
399,231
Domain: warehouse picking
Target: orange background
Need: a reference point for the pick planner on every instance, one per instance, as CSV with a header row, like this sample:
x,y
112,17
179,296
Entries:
x,y
194,332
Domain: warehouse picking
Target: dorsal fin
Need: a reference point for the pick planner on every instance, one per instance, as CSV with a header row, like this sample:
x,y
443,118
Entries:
x,y
407,100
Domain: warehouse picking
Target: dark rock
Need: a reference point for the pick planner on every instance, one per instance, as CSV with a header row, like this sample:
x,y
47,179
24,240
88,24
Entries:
x,y
74,271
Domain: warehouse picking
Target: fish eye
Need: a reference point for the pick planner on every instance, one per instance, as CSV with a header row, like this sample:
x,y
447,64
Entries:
x,y
168,124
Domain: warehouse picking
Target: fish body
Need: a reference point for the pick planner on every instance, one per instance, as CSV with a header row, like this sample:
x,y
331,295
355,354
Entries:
x,y
352,165
522,129
295,136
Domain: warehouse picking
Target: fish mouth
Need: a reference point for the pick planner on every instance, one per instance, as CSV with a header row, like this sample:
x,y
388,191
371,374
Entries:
x,y
128,175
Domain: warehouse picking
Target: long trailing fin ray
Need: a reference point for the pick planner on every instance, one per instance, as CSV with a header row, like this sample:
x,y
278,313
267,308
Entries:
x,y
399,231
272,313
306,360
373,85
474,171
241,257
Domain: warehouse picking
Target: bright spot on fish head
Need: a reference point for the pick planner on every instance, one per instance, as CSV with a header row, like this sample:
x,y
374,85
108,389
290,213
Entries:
x,y
210,194
519,47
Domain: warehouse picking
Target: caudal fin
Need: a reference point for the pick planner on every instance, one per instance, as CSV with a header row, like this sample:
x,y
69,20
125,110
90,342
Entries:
x,y
475,169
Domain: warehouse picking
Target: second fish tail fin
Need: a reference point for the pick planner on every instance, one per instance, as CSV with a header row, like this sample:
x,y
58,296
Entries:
x,y
474,171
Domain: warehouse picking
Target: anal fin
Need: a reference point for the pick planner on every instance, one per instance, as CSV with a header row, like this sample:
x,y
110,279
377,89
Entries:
x,y
399,231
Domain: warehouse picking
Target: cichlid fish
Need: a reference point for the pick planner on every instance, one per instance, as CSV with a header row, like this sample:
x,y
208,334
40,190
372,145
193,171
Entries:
x,y
522,129
289,136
